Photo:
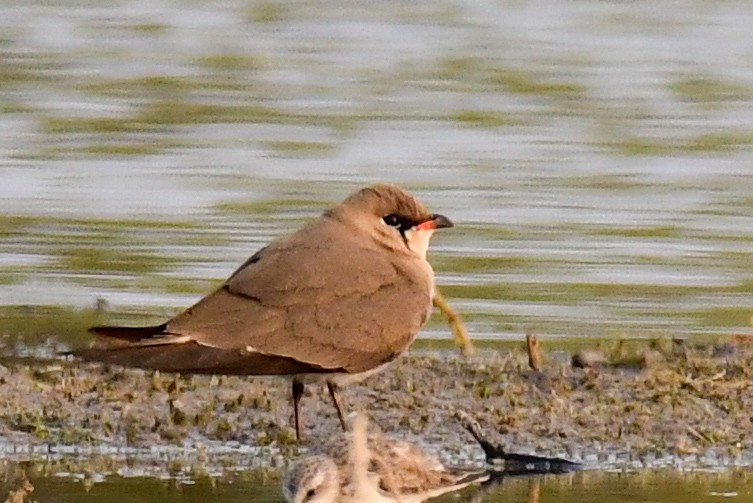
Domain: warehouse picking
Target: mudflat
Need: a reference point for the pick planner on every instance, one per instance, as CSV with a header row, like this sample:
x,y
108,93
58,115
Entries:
x,y
664,405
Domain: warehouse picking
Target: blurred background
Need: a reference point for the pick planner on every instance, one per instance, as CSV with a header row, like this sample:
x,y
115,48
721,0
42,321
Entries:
x,y
595,156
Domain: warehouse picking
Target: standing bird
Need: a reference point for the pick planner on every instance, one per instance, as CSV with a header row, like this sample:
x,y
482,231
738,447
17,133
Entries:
x,y
335,301
372,468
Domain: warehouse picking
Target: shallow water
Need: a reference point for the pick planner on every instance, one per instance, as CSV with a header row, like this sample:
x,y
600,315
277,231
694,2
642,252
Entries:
x,y
245,486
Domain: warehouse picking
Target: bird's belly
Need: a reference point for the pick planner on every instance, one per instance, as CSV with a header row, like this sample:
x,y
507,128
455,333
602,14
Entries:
x,y
340,378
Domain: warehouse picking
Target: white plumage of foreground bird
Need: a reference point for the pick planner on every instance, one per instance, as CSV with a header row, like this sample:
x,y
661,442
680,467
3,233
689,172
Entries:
x,y
372,468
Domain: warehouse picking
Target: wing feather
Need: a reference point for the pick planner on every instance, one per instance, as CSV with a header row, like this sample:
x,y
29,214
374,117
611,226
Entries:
x,y
322,297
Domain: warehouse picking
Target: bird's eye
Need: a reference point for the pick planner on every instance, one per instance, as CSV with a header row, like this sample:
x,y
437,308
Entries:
x,y
310,494
392,220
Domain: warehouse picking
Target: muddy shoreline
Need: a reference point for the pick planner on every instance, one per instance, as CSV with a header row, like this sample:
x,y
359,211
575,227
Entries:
x,y
688,408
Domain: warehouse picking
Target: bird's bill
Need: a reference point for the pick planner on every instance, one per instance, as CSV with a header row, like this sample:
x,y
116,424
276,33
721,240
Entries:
x,y
418,237
437,222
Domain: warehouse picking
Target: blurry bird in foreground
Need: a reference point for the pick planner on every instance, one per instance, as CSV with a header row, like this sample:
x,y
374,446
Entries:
x,y
372,467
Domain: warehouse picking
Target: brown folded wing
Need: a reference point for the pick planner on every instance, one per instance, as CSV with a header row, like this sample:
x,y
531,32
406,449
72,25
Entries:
x,y
323,299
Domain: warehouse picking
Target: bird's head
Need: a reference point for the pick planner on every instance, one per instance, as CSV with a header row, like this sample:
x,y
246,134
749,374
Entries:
x,y
312,480
393,217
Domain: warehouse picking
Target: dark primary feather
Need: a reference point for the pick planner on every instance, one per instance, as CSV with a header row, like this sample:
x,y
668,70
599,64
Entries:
x,y
126,335
195,359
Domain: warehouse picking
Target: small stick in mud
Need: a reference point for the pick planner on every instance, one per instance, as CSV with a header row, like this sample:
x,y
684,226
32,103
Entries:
x,y
536,376
459,334
534,352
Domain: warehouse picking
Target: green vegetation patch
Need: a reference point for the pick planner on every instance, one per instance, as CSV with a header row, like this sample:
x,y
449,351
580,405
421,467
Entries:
x,y
532,84
301,148
475,74
267,12
126,149
744,286
177,112
496,291
655,232
606,182
724,141
150,85
480,118
173,285
456,68
271,206
707,90
569,293
74,125
112,260
37,325
153,29
471,264
170,104
12,276
16,69
230,62
726,316
21,223
721,142
15,224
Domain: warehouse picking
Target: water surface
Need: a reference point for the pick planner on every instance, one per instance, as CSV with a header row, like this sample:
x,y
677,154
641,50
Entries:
x,y
246,486
595,156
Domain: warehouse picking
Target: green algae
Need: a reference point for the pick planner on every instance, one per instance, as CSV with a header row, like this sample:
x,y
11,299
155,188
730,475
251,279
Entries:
x,y
231,62
301,148
529,83
482,75
272,206
567,293
654,232
38,325
151,29
267,12
70,125
725,316
16,224
705,90
716,142
111,259
122,149
480,118
473,264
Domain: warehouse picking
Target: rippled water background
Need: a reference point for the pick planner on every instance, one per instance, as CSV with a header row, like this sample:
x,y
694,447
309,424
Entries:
x,y
596,156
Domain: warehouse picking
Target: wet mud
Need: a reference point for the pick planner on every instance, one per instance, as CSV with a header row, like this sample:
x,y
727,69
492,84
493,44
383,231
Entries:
x,y
665,404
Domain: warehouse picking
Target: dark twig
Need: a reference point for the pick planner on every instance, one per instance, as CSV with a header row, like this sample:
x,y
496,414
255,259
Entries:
x,y
514,464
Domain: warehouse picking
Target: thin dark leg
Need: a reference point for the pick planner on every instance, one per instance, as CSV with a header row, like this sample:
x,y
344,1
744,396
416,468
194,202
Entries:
x,y
333,392
297,394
